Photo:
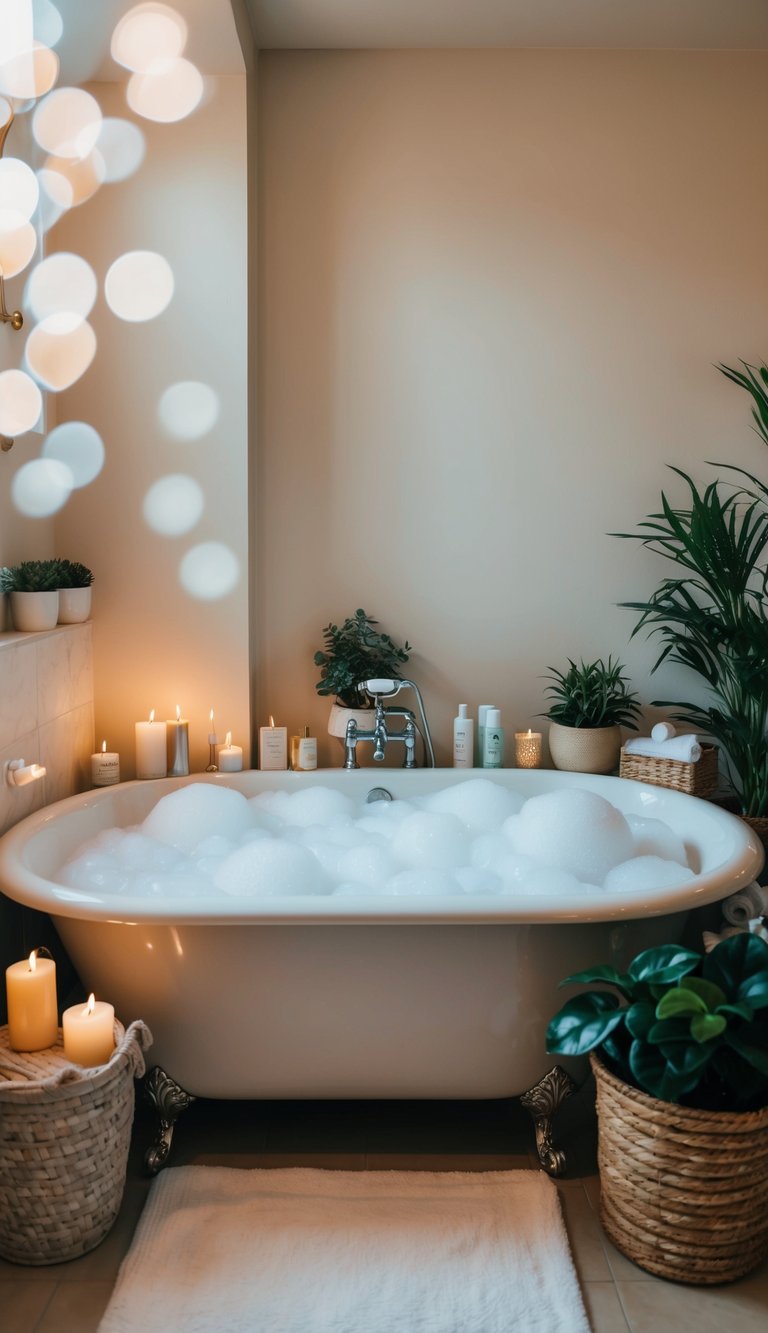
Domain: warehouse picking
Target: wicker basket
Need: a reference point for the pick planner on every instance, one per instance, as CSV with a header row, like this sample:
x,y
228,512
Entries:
x,y
64,1138
682,1192
699,779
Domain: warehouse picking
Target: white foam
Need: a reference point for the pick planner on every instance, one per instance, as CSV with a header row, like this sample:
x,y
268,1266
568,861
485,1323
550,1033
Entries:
x,y
268,869
424,882
652,837
573,830
434,840
187,816
646,873
479,803
316,805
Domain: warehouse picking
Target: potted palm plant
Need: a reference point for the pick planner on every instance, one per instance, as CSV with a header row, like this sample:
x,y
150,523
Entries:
x,y
710,613
591,703
33,588
75,581
679,1049
354,652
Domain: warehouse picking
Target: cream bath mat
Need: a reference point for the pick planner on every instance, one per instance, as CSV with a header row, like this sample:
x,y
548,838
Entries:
x,y
306,1251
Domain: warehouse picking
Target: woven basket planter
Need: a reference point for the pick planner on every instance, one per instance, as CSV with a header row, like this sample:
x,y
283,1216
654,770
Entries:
x,y
683,1193
699,779
64,1139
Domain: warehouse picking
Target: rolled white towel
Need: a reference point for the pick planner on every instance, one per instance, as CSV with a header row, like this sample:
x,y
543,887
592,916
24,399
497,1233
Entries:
x,y
685,748
663,731
746,905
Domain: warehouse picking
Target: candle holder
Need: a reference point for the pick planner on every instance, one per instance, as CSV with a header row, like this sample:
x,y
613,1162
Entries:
x,y
528,749
211,766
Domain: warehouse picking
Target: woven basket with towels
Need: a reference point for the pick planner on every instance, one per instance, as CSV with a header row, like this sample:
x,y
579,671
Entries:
x,y
64,1138
665,759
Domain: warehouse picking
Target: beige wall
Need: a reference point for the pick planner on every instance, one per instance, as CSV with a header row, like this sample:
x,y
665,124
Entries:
x,y
154,645
492,289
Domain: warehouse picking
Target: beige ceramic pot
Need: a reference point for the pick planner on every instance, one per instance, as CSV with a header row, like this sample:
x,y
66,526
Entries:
x,y
340,716
74,605
585,749
34,611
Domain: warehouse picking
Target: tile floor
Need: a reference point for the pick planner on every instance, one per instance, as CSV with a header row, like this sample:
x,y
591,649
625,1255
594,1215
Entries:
x,y
70,1298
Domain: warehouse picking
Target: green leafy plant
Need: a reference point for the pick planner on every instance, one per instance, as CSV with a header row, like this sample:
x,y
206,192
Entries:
x,y
592,694
686,1027
30,576
711,614
354,652
74,575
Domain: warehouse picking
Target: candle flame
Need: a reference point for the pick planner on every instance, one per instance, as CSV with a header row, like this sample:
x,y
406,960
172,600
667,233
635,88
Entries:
x,y
91,1005
228,741
33,961
530,733
210,715
103,747
152,715
178,712
271,720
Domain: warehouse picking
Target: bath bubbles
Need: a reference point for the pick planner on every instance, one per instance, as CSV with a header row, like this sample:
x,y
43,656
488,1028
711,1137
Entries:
x,y
471,840
187,816
646,873
270,869
435,840
572,830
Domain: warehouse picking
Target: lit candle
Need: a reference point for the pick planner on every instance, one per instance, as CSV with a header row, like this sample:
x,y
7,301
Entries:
x,y
178,745
151,758
89,1033
230,757
105,767
30,988
273,746
528,749
212,737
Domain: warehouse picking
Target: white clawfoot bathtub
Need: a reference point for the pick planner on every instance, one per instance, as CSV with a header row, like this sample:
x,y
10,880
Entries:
x,y
319,996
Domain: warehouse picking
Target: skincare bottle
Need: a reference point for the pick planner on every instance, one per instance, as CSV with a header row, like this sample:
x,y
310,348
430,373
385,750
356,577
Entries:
x,y
481,716
493,740
304,752
463,739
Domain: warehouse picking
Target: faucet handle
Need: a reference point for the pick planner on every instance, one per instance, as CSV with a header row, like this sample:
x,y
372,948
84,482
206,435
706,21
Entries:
x,y
380,686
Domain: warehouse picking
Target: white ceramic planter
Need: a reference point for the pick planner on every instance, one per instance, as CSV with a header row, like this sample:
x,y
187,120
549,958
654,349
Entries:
x,y
34,610
339,717
74,605
584,749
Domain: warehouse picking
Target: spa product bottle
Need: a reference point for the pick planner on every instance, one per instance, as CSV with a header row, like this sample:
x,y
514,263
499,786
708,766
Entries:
x,y
463,739
304,752
482,713
493,740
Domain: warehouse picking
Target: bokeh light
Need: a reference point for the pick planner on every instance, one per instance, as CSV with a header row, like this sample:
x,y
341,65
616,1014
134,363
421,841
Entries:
x,y
122,147
16,27
139,285
209,571
189,409
173,505
41,487
19,193
168,92
47,22
79,447
59,350
55,197
148,33
67,123
29,74
20,403
59,284
16,249
82,177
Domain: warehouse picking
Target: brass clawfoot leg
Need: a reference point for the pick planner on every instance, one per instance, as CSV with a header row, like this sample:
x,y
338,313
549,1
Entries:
x,y
542,1101
169,1100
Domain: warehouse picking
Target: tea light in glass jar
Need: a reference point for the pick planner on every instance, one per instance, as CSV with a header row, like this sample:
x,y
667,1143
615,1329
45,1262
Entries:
x,y
105,767
528,749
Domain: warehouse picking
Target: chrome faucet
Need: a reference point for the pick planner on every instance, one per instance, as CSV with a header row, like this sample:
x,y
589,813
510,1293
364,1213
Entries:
x,y
380,734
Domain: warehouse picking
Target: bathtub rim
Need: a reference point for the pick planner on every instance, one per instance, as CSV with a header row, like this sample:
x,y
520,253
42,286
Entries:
x,y
24,885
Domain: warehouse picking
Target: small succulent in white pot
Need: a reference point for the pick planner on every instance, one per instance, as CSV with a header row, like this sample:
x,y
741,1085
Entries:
x,y
75,582
33,589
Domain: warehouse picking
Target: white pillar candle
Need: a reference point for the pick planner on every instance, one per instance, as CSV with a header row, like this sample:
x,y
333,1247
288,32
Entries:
x,y
30,987
178,745
89,1033
105,767
151,741
230,757
528,749
273,746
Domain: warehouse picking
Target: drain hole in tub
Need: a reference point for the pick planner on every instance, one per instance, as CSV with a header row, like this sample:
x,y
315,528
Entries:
x,y
378,794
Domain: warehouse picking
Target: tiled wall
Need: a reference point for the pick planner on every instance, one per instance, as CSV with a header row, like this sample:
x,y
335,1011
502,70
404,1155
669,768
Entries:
x,y
46,717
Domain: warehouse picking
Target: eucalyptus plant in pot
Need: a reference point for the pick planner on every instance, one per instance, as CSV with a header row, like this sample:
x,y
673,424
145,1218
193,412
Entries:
x,y
591,702
353,652
33,588
679,1049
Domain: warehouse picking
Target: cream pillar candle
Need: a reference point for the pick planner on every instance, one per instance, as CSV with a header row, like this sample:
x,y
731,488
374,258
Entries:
x,y
30,986
273,746
230,757
528,749
151,741
105,767
178,745
89,1033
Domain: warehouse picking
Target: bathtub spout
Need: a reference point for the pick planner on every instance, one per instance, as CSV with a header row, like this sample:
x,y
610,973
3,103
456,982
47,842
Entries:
x,y
542,1102
169,1100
